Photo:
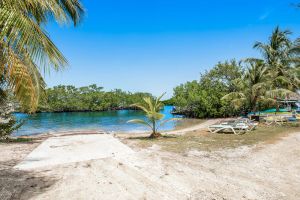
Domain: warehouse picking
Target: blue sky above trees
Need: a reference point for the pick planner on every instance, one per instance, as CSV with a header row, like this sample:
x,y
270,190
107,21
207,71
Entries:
x,y
153,46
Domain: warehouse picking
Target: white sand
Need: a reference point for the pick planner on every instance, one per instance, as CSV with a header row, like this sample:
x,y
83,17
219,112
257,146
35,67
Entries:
x,y
269,172
203,125
265,171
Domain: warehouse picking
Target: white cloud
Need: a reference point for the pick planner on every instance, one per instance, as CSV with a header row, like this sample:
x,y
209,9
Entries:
x,y
264,15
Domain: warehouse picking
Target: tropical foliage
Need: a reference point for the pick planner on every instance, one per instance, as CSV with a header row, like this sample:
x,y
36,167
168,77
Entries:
x,y
89,98
249,85
8,123
203,98
151,106
25,47
280,55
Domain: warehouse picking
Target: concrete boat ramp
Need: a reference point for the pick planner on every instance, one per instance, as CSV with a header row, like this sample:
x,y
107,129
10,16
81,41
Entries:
x,y
74,148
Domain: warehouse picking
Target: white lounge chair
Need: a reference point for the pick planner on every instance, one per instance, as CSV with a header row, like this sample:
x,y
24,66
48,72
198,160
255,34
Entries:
x,y
236,128
251,123
276,120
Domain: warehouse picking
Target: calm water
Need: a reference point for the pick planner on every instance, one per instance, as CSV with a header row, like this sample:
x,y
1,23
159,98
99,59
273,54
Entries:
x,y
108,121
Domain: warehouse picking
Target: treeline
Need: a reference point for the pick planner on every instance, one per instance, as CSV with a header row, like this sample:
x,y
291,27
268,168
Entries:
x,y
235,87
68,98
203,98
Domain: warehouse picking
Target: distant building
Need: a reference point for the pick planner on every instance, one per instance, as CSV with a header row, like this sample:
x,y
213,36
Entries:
x,y
290,102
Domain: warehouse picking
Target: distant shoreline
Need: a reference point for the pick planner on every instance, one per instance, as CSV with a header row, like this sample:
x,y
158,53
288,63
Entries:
x,y
85,111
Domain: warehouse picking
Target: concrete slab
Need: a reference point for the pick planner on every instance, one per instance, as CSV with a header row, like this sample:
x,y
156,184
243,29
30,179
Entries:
x,y
75,148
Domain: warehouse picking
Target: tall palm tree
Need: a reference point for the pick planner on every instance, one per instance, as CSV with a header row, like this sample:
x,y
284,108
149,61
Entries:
x,y
152,108
275,76
294,72
252,86
277,53
25,48
257,80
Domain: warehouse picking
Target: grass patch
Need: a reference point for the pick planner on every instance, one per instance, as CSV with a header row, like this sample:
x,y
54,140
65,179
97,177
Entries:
x,y
206,141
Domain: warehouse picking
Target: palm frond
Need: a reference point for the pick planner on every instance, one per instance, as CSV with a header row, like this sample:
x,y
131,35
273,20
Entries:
x,y
63,11
140,121
24,79
23,34
238,103
281,93
140,107
233,95
149,103
25,46
155,116
157,102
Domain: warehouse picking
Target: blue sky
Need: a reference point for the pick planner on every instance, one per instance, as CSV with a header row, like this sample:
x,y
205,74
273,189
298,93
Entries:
x,y
155,45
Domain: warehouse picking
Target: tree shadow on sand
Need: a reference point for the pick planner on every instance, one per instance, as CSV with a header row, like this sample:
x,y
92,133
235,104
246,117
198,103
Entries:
x,y
17,184
149,138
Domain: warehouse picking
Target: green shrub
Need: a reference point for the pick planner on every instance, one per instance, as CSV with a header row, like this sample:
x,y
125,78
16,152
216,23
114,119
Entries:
x,y
8,122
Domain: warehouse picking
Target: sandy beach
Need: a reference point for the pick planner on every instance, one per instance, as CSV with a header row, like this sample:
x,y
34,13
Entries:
x,y
262,171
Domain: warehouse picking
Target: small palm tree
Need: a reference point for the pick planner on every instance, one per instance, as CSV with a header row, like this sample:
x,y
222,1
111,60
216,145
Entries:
x,y
152,108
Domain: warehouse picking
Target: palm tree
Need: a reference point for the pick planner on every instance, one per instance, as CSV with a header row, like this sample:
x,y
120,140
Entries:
x,y
275,76
152,108
252,86
25,48
279,55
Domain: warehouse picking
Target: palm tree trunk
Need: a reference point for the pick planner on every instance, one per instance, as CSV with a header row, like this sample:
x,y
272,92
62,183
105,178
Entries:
x,y
154,134
254,104
277,107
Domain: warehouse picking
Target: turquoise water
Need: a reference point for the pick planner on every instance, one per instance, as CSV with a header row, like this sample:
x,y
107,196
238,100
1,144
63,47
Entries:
x,y
107,120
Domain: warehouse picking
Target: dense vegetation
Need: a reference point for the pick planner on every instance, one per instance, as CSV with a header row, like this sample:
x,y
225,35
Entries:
x,y
203,98
8,122
252,84
90,98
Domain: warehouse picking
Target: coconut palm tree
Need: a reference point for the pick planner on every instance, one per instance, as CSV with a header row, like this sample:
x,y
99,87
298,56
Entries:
x,y
294,72
152,108
25,48
252,86
279,54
